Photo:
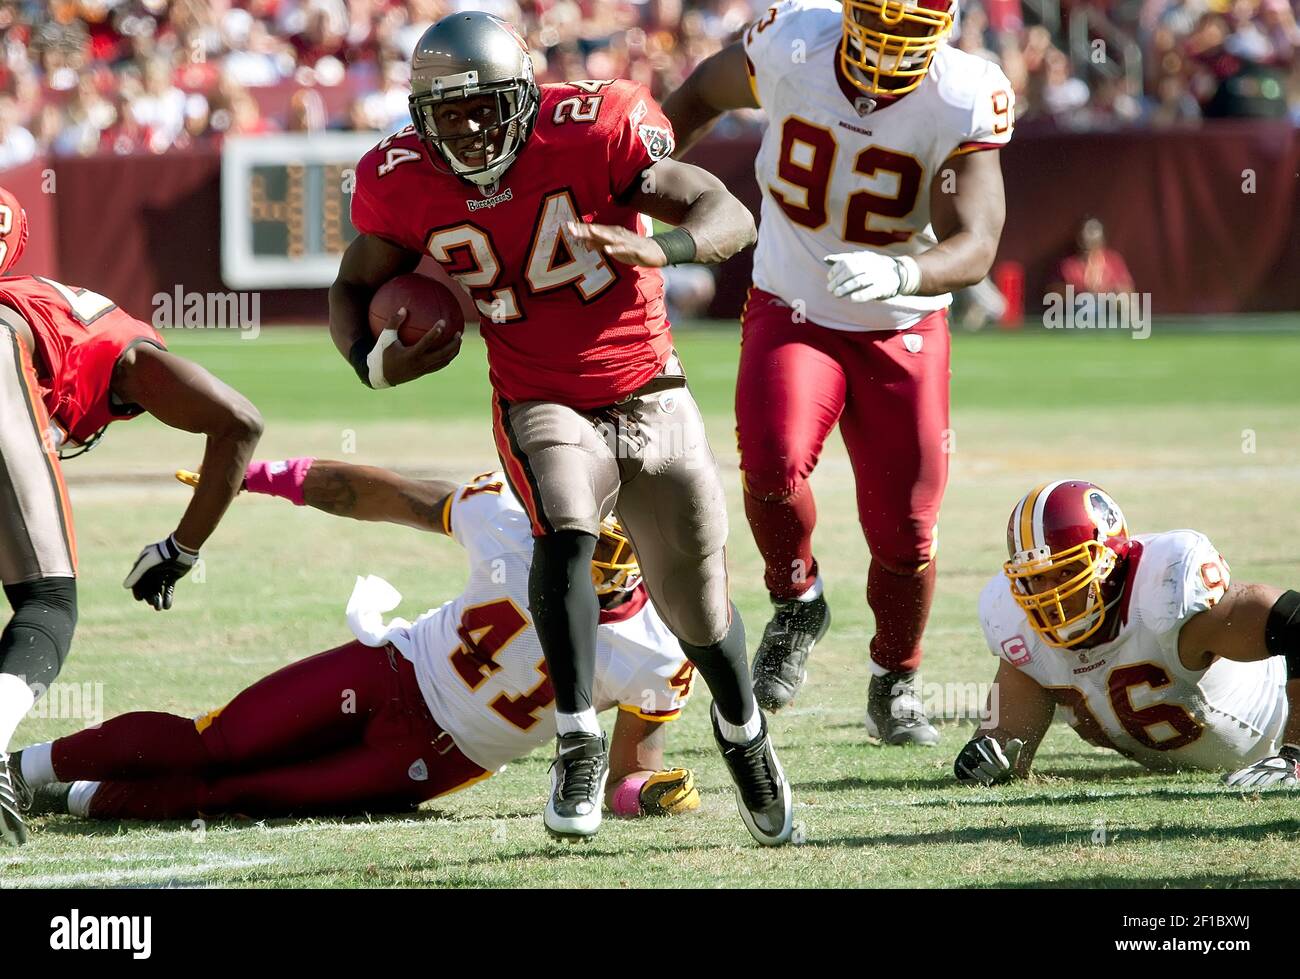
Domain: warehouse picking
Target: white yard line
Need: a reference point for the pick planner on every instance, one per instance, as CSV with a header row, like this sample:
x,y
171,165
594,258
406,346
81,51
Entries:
x,y
139,875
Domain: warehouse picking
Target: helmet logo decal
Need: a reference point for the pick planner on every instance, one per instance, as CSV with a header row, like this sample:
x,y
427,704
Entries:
x,y
1105,513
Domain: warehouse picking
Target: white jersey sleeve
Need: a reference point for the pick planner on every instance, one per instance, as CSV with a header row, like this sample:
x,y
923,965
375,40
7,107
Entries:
x,y
1184,575
983,106
642,667
773,46
1005,629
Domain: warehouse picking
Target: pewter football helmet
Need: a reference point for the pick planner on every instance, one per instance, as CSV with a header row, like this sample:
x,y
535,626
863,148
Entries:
x,y
467,55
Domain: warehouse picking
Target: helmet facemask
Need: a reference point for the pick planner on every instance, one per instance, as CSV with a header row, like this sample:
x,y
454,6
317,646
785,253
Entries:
x,y
1045,606
502,140
614,567
888,45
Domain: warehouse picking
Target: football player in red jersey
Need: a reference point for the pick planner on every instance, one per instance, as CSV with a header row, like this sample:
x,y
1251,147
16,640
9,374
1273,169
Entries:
x,y
882,193
532,199
71,362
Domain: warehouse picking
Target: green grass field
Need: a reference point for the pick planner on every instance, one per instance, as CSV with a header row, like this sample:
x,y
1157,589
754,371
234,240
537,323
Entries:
x,y
1184,429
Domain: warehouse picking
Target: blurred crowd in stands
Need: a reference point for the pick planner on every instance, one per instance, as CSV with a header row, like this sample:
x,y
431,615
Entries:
x,y
123,76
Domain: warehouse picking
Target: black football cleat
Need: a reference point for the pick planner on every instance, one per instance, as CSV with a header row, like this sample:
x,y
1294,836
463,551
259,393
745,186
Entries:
x,y
578,777
895,714
12,828
762,790
781,661
49,799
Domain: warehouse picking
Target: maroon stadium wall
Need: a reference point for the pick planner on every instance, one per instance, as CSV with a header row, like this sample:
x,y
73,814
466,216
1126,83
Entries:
x,y
1207,218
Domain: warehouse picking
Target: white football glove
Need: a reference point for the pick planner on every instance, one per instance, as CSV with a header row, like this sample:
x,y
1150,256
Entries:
x,y
153,577
985,762
864,277
1280,769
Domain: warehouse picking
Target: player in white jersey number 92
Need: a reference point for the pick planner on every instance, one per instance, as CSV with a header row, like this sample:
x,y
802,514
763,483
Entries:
x,y
881,194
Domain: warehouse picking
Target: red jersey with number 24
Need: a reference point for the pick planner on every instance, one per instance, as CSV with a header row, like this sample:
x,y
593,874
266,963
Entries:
x,y
561,322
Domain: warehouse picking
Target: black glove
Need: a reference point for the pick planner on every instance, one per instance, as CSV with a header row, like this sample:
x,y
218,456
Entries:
x,y
156,571
984,762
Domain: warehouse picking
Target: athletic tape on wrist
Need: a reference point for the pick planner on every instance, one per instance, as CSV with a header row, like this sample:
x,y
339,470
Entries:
x,y
375,359
182,552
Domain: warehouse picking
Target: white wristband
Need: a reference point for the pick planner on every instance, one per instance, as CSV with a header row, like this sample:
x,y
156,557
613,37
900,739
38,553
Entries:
x,y
909,276
375,360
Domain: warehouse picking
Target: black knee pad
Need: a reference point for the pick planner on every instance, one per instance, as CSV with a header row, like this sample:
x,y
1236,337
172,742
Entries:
x,y
35,643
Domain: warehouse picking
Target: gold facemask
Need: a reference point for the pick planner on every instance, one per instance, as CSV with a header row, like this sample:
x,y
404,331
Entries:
x,y
868,55
1045,609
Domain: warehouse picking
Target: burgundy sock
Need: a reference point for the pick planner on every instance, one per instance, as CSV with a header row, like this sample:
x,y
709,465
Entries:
x,y
901,604
163,798
783,531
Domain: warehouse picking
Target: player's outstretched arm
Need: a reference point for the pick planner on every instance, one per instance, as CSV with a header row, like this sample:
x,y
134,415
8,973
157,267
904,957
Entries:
x,y
1250,622
711,224
183,395
638,785
718,84
1020,712
347,490
367,264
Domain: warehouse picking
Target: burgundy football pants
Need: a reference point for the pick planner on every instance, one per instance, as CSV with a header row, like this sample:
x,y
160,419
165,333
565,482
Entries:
x,y
338,732
889,393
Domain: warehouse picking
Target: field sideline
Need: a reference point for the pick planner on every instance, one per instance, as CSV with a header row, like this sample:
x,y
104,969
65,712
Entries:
x,y
1183,429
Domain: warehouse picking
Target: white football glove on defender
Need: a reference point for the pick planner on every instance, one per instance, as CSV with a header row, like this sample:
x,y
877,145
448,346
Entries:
x,y
1280,769
864,277
985,762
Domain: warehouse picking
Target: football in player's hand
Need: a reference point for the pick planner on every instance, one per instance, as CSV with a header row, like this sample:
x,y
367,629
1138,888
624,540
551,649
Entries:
x,y
427,302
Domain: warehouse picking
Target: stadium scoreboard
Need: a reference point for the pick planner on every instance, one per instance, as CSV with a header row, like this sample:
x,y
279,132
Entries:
x,y
286,208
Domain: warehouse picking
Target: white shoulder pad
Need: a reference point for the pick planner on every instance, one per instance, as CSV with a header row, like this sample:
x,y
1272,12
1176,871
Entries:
x,y
1006,630
780,39
486,519
1180,573
979,97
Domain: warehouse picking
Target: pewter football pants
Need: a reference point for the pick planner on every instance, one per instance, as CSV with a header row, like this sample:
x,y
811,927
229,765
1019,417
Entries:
x,y
648,461
36,536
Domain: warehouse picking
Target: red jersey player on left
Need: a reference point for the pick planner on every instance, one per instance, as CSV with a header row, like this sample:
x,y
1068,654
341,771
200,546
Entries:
x,y
71,362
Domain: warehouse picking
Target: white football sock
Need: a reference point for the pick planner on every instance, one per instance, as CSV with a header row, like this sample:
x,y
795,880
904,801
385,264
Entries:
x,y
813,593
79,797
38,765
876,668
584,721
739,734
16,699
